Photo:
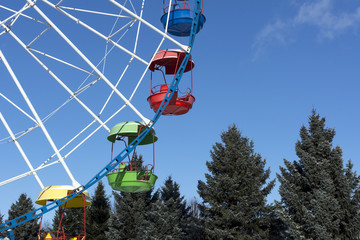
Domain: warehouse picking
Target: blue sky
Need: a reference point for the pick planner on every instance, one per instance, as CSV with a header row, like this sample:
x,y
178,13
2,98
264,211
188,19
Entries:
x,y
263,65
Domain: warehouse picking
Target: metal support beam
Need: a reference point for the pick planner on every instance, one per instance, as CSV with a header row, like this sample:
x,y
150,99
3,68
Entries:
x,y
21,150
39,121
67,40
183,47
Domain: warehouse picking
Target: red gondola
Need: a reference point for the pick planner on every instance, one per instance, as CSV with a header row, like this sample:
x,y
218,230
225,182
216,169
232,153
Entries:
x,y
168,62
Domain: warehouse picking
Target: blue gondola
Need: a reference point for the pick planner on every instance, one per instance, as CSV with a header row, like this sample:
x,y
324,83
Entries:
x,y
180,18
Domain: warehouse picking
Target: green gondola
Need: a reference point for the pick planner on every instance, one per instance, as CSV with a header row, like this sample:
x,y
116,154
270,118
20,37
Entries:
x,y
131,181
127,178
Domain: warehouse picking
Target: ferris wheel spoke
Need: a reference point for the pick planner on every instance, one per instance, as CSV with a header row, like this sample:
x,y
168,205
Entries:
x,y
94,12
85,139
39,121
127,66
93,132
183,47
63,62
38,36
20,149
15,15
143,75
127,25
20,176
78,21
117,83
20,12
72,45
103,60
153,55
46,164
72,94
139,25
133,56
17,107
29,130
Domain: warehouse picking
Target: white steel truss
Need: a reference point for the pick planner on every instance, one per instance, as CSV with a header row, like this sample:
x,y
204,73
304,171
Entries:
x,y
133,17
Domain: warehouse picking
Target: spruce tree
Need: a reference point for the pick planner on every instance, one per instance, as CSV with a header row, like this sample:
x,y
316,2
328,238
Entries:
x,y
98,214
169,217
162,224
319,197
174,205
128,219
235,191
27,230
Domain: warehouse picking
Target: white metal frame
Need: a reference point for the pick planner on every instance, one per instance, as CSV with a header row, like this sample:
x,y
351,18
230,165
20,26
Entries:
x,y
73,95
39,121
21,150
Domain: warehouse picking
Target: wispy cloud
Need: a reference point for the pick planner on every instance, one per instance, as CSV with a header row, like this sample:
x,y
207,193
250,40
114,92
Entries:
x,y
270,33
318,14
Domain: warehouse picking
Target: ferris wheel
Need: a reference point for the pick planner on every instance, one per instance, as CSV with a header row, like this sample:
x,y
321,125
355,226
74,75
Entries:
x,y
72,70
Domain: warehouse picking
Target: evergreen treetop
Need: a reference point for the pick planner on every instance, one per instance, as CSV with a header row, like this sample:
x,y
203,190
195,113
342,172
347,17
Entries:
x,y
22,206
235,191
171,191
317,193
98,214
169,216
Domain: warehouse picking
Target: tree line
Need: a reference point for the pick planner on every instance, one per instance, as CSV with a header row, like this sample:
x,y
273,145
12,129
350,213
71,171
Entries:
x,y
320,198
